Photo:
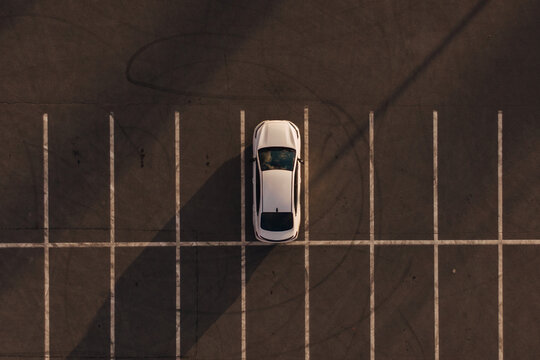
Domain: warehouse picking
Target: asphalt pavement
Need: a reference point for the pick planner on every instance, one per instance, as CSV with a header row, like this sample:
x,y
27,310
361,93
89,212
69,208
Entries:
x,y
140,62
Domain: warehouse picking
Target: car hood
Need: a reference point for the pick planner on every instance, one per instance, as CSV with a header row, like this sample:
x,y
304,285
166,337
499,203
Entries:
x,y
277,190
277,133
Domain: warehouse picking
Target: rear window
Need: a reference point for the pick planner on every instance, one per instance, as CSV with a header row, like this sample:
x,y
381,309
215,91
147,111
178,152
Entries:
x,y
277,158
276,221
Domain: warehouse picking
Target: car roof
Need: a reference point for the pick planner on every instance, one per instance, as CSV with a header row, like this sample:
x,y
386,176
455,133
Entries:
x,y
276,190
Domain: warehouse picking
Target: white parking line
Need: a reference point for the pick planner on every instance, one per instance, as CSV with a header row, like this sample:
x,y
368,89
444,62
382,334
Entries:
x,y
21,245
112,239
436,234
243,231
177,215
306,232
371,239
242,175
480,242
243,302
500,229
46,319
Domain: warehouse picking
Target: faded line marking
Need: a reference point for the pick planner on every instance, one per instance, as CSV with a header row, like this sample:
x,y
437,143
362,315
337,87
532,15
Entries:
x,y
177,215
46,337
21,245
306,233
371,240
243,231
506,242
112,237
436,234
500,229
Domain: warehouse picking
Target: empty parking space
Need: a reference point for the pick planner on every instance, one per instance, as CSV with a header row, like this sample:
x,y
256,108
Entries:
x,y
21,313
144,174
275,302
145,302
78,175
404,302
210,298
339,173
468,302
79,306
521,302
521,170
339,302
210,173
467,173
21,183
403,174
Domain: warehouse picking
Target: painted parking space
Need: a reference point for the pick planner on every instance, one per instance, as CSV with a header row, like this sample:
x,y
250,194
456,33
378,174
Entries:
x,y
255,114
339,179
79,179
521,157
210,302
468,173
339,302
144,174
22,168
403,174
145,302
210,173
468,302
275,302
521,308
79,307
404,302
22,279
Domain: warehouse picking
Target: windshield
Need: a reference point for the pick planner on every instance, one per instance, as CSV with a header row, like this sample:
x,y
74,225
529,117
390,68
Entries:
x,y
277,158
276,221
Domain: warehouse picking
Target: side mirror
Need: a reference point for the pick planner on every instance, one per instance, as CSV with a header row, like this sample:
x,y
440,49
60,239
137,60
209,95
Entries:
x,y
253,159
301,161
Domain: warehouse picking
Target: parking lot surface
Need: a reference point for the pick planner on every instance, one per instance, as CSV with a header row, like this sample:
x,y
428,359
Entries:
x,y
125,180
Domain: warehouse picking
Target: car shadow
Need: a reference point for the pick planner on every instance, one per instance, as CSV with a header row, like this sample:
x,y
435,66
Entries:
x,y
210,284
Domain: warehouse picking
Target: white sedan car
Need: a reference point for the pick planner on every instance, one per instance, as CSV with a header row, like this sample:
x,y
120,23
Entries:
x,y
276,181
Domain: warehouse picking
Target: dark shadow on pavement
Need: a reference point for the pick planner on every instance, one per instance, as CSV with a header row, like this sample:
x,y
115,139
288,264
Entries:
x,y
210,288
382,108
213,213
